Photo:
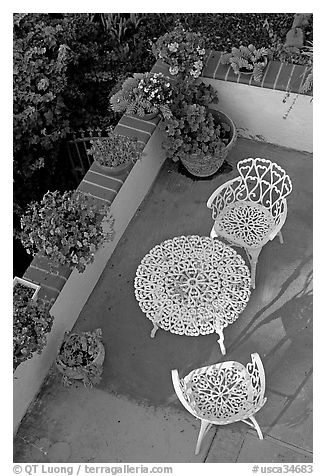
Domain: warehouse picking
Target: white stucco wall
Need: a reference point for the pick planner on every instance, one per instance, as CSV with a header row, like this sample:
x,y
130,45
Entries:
x,y
29,376
258,114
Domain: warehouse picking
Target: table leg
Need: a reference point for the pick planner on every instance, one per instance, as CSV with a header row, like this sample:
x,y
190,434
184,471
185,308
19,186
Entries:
x,y
153,331
219,331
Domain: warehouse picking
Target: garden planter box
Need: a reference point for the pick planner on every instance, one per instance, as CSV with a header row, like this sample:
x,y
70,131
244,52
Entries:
x,y
28,284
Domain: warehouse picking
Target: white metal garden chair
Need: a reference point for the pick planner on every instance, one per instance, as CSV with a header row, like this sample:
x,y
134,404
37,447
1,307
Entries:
x,y
223,393
251,209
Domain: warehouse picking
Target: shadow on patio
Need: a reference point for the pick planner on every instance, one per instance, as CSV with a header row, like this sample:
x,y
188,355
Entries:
x,y
134,415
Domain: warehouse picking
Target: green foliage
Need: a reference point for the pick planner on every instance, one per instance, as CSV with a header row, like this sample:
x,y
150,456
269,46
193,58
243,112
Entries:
x,y
66,227
193,132
115,149
185,92
144,93
182,50
77,353
31,322
247,59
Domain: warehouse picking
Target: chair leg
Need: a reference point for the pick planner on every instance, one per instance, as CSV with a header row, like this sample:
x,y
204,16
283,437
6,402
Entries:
x,y
257,427
280,237
253,255
204,427
213,233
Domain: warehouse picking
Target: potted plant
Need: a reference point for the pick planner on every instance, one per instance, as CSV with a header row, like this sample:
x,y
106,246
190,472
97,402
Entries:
x,y
29,289
81,357
67,228
199,137
144,95
31,322
182,50
115,153
247,60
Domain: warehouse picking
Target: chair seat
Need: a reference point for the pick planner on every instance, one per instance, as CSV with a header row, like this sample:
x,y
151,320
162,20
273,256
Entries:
x,y
222,394
245,223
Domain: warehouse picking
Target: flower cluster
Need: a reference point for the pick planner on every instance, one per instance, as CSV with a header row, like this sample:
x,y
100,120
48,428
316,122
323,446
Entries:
x,y
144,93
31,322
115,149
66,227
182,50
247,59
193,132
186,92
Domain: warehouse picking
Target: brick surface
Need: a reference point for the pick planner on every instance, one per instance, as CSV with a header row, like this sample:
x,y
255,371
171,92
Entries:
x,y
97,191
44,263
44,278
271,75
284,77
211,64
131,132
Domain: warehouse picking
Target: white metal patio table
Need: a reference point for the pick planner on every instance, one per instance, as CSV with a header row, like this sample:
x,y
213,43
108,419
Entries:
x,y
192,285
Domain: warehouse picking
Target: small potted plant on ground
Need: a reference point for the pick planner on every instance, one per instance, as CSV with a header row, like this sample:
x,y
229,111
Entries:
x,y
247,60
67,228
115,153
144,95
31,322
81,357
183,51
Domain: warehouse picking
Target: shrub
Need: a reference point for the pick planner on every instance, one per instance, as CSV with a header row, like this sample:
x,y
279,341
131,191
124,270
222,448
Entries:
x,y
182,50
115,149
31,322
193,132
144,93
66,227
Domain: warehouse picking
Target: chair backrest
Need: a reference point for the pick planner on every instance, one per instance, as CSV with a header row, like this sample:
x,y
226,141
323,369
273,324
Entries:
x,y
265,183
222,393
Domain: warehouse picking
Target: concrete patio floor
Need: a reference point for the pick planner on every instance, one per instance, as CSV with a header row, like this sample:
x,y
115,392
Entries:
x,y
133,415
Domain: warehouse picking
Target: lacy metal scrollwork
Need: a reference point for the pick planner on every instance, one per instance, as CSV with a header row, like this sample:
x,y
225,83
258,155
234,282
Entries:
x,y
192,285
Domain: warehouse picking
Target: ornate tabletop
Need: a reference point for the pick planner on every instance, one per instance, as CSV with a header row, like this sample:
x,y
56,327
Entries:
x,y
192,285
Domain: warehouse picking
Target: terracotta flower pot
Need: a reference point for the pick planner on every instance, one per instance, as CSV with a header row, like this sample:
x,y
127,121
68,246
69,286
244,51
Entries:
x,y
146,117
116,170
250,71
206,166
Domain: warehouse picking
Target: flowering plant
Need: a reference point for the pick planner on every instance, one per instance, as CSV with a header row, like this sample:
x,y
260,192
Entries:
x,y
182,50
144,93
185,92
247,59
115,149
193,131
66,227
77,353
31,322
